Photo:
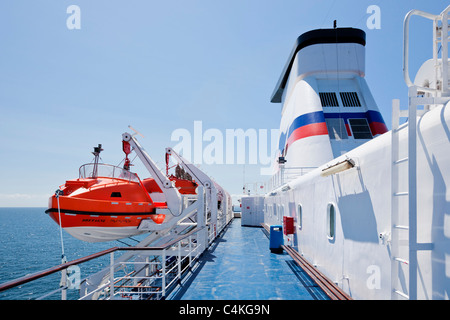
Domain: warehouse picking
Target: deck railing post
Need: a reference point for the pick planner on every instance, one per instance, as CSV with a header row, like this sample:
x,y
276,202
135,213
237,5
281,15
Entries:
x,y
190,250
64,284
111,276
412,181
163,265
179,260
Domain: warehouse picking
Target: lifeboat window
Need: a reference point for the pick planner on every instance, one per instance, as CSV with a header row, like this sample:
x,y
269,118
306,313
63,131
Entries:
x,y
116,195
360,128
328,99
336,128
331,219
350,99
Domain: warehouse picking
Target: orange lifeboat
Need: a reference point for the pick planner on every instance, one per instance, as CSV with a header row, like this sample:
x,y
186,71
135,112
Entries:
x,y
107,207
107,202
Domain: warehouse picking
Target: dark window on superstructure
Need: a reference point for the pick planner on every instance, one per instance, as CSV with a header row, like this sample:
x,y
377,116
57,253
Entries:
x,y
116,195
300,216
328,99
336,128
331,221
360,128
350,99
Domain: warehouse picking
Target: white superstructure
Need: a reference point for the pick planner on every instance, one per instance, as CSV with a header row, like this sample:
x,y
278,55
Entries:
x,y
371,207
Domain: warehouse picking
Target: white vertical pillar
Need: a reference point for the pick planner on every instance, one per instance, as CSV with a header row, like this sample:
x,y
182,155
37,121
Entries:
x,y
444,43
111,276
412,186
163,280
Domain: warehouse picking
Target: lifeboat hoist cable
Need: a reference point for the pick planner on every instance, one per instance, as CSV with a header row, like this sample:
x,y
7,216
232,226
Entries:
x,y
63,256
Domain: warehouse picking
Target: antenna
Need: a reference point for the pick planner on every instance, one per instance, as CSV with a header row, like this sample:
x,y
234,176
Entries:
x,y
135,132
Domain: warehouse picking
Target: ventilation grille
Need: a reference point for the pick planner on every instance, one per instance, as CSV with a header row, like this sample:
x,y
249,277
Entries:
x,y
328,99
350,99
360,128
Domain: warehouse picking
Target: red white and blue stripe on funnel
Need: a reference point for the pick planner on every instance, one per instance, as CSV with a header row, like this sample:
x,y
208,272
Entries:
x,y
313,124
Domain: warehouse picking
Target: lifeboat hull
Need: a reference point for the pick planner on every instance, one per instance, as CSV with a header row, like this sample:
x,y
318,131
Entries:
x,y
103,234
101,226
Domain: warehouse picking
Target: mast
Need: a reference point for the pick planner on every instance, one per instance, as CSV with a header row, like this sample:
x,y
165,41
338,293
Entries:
x,y
96,154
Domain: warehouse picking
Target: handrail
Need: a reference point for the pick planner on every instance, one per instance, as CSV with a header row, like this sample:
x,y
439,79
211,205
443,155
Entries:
x,y
115,169
286,175
408,16
46,272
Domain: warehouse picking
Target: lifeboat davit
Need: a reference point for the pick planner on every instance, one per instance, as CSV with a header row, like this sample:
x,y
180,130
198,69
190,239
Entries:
x,y
108,202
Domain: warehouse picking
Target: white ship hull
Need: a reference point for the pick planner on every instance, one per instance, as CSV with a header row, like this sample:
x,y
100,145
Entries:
x,y
359,256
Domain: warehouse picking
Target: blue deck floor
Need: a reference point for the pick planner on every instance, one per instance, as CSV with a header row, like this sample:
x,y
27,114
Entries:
x,y
240,266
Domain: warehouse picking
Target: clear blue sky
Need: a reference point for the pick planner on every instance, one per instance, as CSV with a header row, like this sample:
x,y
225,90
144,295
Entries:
x,y
159,66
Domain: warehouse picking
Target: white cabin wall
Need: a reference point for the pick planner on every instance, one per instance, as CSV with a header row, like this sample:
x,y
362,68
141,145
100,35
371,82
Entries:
x,y
433,207
361,214
358,258
363,197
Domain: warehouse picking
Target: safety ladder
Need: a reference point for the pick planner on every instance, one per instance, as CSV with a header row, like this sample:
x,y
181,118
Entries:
x,y
404,201
403,237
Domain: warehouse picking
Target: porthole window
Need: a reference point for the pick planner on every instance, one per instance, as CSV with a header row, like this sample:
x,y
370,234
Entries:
x,y
331,221
299,215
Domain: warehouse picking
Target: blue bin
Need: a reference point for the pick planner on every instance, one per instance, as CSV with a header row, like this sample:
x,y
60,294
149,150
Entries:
x,y
276,238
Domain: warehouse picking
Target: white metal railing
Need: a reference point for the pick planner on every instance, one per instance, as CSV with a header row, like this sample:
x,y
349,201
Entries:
x,y
152,278
406,284
89,170
164,268
440,34
285,175
186,240
148,274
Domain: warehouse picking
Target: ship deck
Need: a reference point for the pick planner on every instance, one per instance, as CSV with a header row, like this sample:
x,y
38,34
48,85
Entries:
x,y
240,266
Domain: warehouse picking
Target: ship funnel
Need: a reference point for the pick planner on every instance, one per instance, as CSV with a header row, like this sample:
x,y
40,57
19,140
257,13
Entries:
x,y
327,108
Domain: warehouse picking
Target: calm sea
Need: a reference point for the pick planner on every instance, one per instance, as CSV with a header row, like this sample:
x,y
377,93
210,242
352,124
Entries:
x,y
30,242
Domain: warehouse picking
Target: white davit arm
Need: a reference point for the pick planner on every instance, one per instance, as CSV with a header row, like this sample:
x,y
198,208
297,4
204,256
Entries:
x,y
199,176
173,197
202,179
